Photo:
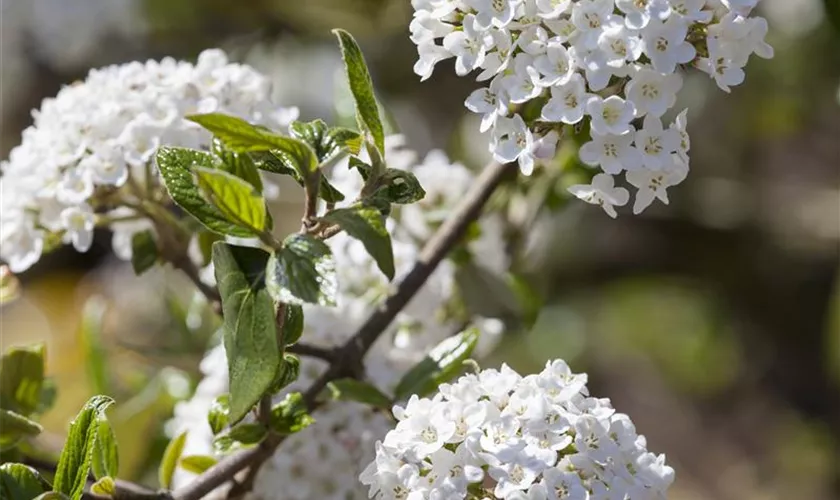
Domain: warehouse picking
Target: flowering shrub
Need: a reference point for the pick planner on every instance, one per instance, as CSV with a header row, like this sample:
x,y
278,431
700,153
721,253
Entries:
x,y
364,306
614,65
498,434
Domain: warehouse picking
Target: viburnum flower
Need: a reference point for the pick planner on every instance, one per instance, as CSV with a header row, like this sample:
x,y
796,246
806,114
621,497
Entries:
x,y
342,440
625,57
522,442
613,153
602,192
88,155
652,184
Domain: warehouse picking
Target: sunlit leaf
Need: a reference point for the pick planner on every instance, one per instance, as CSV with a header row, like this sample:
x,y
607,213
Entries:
x,y
443,363
75,461
302,271
367,225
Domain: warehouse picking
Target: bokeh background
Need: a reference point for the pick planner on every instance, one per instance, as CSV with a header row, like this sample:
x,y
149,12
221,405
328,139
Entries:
x,y
714,322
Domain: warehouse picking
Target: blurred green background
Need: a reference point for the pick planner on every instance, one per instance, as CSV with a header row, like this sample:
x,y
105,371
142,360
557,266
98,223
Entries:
x,y
714,322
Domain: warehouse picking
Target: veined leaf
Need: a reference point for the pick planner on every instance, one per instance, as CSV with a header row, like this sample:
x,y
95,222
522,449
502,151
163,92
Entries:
x,y
302,271
367,225
177,167
292,324
250,330
105,460
237,200
90,338
238,164
290,415
19,481
217,416
367,111
144,251
279,163
439,366
104,486
75,460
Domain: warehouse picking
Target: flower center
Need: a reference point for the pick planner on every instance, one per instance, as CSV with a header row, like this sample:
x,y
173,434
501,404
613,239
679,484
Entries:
x,y
650,90
661,44
652,146
428,435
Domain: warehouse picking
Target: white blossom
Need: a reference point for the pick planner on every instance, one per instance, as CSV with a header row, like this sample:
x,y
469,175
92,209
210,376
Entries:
x,y
613,153
652,184
602,192
567,103
524,459
656,144
611,115
653,93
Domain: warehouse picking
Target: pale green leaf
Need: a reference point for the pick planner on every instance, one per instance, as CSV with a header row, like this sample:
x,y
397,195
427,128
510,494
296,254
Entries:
x,y
104,486
21,378
105,460
19,481
348,389
290,415
74,463
217,415
237,200
170,459
197,464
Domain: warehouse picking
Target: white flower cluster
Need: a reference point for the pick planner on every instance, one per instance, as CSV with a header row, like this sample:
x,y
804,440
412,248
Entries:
x,y
84,161
324,460
616,62
499,435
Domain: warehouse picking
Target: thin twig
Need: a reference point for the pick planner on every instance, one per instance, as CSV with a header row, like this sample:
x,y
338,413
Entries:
x,y
351,353
312,351
211,293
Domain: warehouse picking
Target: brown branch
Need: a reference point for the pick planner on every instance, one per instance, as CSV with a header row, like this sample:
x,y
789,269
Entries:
x,y
312,351
349,356
191,271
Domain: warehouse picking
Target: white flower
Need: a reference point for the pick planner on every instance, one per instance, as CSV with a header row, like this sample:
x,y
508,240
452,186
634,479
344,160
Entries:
x,y
611,115
567,103
552,9
498,13
725,73
652,184
679,126
489,103
590,17
638,13
497,61
652,92
525,458
613,153
619,45
691,10
469,46
512,137
430,54
602,192
665,44
656,144
75,188
78,221
555,65
522,84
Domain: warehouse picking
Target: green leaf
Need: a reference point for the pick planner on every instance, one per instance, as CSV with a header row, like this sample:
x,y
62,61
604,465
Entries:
x,y
19,481
288,373
248,434
205,245
197,464
348,389
223,443
144,251
367,111
217,416
14,427
90,338
105,460
46,400
176,166
302,271
74,464
399,186
170,460
238,164
104,486
242,137
250,330
278,163
439,366
21,378
9,286
292,324
237,200
367,225
328,143
364,168
290,415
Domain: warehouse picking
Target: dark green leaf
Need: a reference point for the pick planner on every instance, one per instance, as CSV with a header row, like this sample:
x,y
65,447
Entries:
x,y
328,143
399,186
21,378
302,271
288,373
105,460
170,459
363,168
14,427
104,486
144,251
348,389
49,391
250,330
367,225
197,464
441,365
217,416
292,324
238,164
51,495
290,416
247,433
90,337
278,163
74,464
19,481
367,111
237,200
177,166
